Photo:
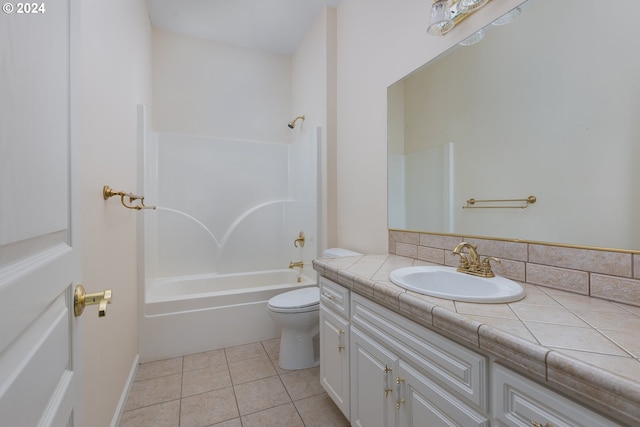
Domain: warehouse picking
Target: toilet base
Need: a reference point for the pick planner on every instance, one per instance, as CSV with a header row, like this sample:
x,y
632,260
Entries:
x,y
298,350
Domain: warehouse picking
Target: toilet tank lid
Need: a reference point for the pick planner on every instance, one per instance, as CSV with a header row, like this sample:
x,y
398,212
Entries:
x,y
339,252
297,299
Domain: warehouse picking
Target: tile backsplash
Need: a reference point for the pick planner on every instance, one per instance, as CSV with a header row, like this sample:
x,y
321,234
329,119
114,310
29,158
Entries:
x,y
610,275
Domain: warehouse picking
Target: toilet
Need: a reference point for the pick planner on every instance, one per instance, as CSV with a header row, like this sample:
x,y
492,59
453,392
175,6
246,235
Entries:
x,y
297,313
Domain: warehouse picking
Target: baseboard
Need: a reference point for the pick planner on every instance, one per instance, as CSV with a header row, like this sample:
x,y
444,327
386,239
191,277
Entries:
x,y
117,416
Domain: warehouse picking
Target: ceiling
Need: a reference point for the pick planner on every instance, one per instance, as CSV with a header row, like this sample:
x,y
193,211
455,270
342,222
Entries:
x,y
276,26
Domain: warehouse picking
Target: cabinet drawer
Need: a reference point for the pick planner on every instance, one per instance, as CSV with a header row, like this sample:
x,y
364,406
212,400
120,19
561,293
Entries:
x,y
334,296
454,366
428,404
518,401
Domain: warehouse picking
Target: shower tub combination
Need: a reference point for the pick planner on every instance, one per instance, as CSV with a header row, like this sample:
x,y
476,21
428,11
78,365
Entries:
x,y
215,254
191,314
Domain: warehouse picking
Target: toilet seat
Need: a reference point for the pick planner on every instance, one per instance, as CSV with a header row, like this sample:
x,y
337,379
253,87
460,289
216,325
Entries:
x,y
298,301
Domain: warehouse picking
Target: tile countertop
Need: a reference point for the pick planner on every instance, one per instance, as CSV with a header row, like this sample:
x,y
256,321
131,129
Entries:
x,y
586,348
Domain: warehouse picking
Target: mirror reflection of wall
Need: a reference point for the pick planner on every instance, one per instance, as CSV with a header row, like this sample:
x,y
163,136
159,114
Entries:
x,y
547,106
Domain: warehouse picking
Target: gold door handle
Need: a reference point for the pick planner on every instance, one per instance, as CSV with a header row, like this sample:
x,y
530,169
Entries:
x,y
82,299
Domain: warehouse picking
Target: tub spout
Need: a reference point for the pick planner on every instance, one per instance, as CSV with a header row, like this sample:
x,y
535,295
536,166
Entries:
x,y
299,264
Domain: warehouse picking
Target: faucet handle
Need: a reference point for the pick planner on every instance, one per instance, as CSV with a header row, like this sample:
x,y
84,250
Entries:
x,y
463,265
485,266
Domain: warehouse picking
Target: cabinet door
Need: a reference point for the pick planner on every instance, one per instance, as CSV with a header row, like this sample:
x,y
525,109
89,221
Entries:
x,y
334,358
373,385
425,404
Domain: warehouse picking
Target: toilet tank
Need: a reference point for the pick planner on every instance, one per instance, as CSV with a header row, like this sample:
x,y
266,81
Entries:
x,y
338,252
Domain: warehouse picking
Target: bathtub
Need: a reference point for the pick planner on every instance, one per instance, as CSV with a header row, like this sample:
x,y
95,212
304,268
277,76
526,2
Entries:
x,y
191,314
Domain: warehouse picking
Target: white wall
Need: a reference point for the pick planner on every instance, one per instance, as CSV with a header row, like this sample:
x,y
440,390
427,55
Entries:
x,y
313,80
378,43
116,75
212,89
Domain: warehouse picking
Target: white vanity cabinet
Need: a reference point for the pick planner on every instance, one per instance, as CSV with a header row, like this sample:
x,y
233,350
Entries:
x,y
520,402
334,343
403,374
383,370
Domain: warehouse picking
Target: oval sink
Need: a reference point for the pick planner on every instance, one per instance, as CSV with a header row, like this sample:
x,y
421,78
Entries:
x,y
446,282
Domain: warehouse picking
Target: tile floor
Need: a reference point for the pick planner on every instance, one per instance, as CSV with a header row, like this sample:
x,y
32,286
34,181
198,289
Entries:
x,y
239,386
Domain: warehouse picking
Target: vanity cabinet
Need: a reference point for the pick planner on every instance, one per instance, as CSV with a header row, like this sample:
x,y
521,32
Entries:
x,y
383,370
405,375
334,343
520,402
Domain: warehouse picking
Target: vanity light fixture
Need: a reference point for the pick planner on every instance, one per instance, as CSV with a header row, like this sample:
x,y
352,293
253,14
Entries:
x,y
446,14
468,6
441,19
473,38
508,17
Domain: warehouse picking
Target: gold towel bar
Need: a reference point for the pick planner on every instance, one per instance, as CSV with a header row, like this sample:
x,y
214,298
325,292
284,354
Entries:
x,y
109,192
528,201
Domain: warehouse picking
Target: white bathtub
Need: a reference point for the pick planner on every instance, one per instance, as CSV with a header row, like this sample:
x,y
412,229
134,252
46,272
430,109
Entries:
x,y
190,314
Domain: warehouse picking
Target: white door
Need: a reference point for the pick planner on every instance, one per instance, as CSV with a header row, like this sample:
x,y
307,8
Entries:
x,y
39,215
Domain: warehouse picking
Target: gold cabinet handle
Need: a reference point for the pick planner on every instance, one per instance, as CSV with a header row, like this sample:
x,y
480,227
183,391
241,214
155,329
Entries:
x,y
537,424
328,295
399,381
82,299
341,341
387,388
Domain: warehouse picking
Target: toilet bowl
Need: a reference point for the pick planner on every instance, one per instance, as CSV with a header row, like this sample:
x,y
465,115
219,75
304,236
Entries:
x,y
297,313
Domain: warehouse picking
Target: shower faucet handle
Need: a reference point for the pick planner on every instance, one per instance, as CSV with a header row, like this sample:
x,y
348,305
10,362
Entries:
x,y
300,240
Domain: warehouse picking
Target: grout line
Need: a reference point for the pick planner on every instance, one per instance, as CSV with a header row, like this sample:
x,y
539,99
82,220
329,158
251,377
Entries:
x,y
181,382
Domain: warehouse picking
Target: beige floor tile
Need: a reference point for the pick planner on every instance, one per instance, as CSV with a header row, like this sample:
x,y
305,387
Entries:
x,y
302,383
231,423
320,411
159,368
275,359
261,394
272,346
203,380
154,391
279,416
162,415
245,351
252,369
204,360
208,408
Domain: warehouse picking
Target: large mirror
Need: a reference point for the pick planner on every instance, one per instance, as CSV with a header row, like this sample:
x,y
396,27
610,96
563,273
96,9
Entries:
x,y
548,106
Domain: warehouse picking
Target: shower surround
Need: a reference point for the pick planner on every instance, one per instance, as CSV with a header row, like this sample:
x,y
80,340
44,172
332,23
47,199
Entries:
x,y
219,244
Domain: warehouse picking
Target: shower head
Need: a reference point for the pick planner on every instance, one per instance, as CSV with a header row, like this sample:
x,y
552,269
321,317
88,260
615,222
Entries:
x,y
292,123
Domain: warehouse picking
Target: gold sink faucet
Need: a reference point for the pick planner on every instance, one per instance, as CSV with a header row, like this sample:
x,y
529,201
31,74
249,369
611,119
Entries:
x,y
472,264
